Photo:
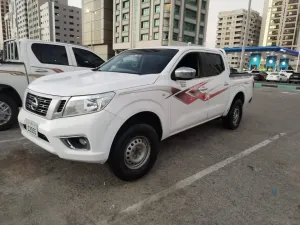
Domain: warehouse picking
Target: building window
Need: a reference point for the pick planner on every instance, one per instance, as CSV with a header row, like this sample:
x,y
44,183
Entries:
x,y
201,31
157,9
188,39
191,14
203,4
118,6
143,1
117,40
126,4
156,35
126,16
192,2
200,41
117,18
175,36
125,28
156,23
176,24
145,24
145,12
177,9
125,39
189,27
144,37
202,17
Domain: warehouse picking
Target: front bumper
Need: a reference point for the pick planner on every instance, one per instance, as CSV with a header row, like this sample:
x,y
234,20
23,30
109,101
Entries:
x,y
93,126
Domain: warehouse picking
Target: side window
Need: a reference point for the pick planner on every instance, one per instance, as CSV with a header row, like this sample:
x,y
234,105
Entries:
x,y
211,64
50,54
87,59
190,60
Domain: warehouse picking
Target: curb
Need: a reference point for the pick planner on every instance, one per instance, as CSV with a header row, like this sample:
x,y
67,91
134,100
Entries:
x,y
287,87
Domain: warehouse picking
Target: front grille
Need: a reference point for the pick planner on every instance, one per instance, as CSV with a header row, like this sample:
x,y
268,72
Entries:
x,y
36,104
61,106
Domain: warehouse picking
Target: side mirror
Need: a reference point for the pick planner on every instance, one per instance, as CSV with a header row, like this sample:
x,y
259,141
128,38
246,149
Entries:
x,y
185,73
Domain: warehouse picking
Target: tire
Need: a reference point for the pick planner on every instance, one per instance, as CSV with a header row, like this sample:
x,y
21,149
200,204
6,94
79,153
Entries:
x,y
10,106
139,136
230,121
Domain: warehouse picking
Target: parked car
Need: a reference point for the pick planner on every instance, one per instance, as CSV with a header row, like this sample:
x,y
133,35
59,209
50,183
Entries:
x,y
259,75
120,111
26,60
277,77
295,78
287,73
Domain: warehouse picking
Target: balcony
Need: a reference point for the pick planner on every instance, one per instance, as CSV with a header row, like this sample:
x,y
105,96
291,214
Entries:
x,y
288,37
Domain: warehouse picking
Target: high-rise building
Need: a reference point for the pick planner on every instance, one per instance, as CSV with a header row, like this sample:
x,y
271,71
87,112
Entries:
x,y
281,24
231,29
148,23
3,10
98,26
16,20
49,20
65,21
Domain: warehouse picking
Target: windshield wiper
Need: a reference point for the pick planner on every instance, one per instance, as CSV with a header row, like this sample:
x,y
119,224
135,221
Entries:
x,y
96,69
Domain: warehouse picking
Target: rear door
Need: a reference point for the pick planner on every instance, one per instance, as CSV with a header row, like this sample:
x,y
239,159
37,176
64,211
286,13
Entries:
x,y
48,59
85,59
217,86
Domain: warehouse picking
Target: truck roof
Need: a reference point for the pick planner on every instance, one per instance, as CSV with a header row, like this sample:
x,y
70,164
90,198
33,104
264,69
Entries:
x,y
185,48
41,41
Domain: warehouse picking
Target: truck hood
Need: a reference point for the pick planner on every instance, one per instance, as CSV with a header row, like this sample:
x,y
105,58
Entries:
x,y
88,82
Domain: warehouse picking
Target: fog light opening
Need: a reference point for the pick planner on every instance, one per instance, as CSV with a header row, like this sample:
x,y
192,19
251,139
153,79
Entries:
x,y
76,143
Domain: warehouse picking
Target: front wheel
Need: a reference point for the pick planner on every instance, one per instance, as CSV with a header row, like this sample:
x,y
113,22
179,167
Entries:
x,y
8,112
234,116
134,152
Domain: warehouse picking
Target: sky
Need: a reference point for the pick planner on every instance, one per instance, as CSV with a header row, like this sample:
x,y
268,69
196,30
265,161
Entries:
x,y
215,7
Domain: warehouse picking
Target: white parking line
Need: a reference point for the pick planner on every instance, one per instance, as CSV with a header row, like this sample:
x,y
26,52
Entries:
x,y
12,140
188,181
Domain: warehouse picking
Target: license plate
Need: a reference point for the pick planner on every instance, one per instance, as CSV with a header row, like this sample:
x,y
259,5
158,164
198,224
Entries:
x,y
32,127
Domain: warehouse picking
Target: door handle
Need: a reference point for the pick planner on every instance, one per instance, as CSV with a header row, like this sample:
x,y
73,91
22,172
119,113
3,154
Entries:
x,y
41,71
203,89
226,84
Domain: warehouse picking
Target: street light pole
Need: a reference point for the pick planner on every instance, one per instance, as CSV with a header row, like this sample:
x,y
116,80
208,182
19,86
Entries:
x,y
92,12
298,59
245,36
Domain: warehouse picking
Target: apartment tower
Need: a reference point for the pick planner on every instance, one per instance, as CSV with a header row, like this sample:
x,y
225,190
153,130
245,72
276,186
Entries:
x,y
49,20
148,23
281,24
231,30
3,10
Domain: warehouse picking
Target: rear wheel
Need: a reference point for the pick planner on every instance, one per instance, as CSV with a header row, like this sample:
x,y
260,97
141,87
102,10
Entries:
x,y
134,152
234,116
8,112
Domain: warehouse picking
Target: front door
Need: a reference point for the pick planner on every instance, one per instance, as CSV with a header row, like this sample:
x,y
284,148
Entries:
x,y
188,99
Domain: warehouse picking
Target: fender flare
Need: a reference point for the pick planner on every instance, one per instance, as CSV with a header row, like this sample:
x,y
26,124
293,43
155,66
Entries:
x,y
238,90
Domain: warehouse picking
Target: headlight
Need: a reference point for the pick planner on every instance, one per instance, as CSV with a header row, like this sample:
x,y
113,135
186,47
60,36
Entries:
x,y
87,104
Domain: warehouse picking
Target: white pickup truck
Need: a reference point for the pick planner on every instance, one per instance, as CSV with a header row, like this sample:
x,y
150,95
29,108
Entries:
x,y
26,60
120,111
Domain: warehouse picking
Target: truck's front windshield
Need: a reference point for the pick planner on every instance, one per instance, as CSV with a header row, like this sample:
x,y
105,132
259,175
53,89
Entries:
x,y
140,61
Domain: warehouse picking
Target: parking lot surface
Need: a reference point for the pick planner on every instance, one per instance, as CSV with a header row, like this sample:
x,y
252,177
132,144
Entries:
x,y
207,175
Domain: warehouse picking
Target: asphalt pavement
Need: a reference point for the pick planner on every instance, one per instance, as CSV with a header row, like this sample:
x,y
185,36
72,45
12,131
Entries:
x,y
207,175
